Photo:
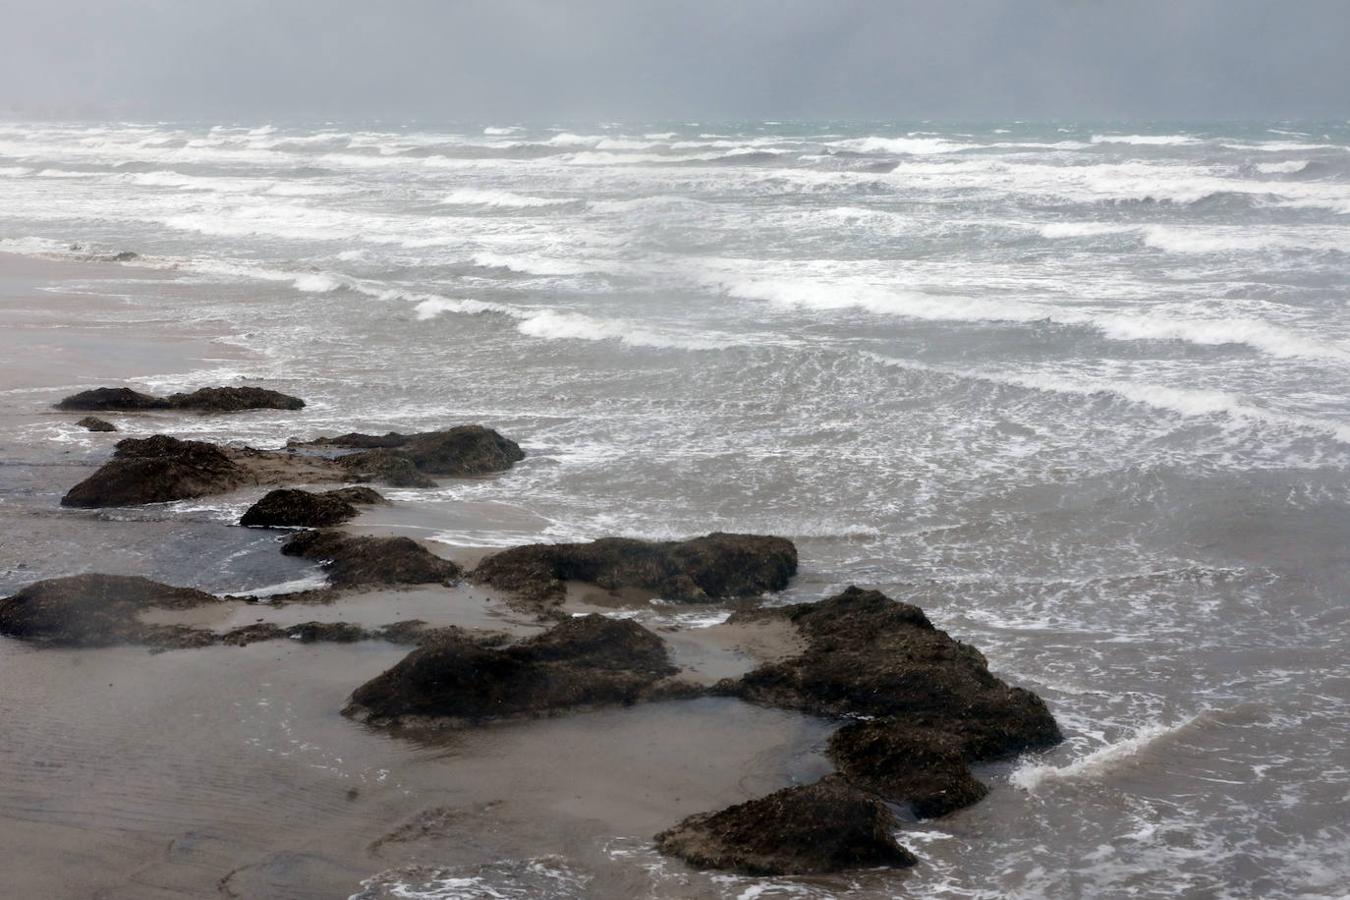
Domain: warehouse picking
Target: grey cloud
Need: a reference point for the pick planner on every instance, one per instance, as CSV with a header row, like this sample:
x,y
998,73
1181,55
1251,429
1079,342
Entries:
x,y
659,59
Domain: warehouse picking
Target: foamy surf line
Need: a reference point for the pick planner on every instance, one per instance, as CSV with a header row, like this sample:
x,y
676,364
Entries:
x,y
1121,755
1186,402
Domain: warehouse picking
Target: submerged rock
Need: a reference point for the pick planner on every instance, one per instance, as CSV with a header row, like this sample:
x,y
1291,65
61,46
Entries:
x,y
461,451
714,567
92,423
213,399
294,508
156,470
385,467
359,561
582,662
99,611
823,827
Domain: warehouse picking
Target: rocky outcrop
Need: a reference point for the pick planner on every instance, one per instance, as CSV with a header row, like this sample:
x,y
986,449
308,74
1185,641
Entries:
x,y
583,662
92,423
714,567
359,561
462,451
935,706
100,611
294,508
161,468
212,399
823,827
156,470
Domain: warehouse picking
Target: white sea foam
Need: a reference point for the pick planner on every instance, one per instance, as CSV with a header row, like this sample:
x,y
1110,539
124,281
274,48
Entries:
x,y
1058,230
552,325
317,283
1145,140
479,197
1100,763
913,146
499,130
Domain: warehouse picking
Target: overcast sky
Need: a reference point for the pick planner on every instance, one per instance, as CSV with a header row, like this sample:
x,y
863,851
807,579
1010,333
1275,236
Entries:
x,y
510,60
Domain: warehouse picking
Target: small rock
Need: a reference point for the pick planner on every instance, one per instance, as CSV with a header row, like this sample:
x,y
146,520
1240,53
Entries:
x,y
92,423
353,561
817,828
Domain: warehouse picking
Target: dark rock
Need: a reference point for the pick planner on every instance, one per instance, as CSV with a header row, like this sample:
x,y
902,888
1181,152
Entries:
x,y
924,767
817,828
359,496
99,611
583,662
458,452
937,707
233,399
215,399
385,467
111,400
156,470
91,423
294,508
716,566
869,654
352,561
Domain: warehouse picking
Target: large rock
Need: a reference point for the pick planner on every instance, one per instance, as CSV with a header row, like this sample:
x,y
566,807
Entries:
x,y
461,451
99,611
386,467
823,827
294,508
156,470
582,662
161,468
935,705
359,561
714,567
213,399
111,400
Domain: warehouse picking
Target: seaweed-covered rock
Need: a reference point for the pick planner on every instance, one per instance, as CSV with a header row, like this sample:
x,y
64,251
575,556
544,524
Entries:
x,y
294,508
232,399
357,561
935,703
99,611
212,399
712,567
156,470
869,654
582,662
386,467
110,400
924,767
823,827
93,423
461,451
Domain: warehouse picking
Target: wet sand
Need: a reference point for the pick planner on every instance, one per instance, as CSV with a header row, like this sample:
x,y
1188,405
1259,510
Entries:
x,y
229,771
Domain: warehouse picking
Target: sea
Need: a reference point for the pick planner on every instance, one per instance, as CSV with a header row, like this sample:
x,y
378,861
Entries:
x,y
1081,391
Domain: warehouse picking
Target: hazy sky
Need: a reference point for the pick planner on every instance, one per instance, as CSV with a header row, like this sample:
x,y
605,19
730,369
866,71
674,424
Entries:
x,y
508,60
